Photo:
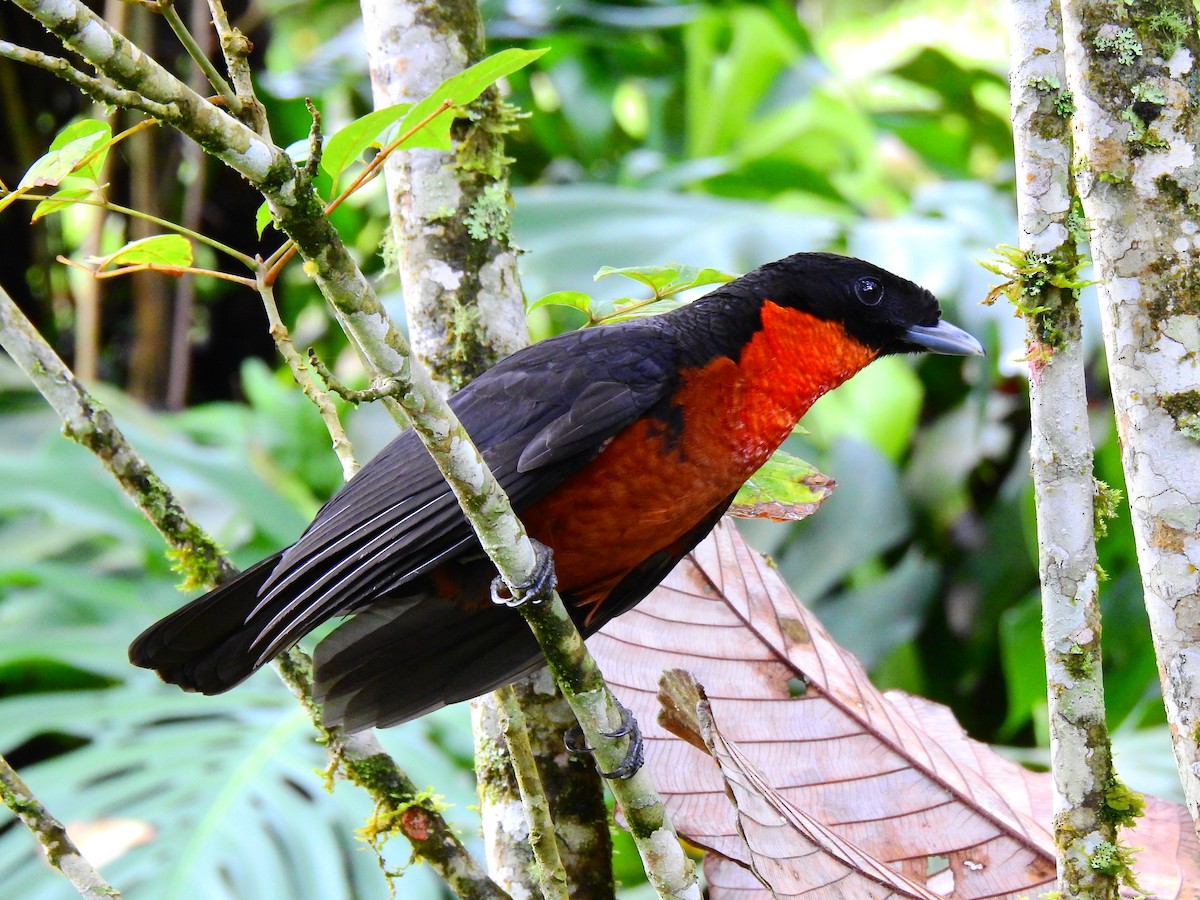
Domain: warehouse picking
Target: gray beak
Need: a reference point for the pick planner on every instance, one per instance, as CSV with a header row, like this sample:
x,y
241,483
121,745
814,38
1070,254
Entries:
x,y
943,338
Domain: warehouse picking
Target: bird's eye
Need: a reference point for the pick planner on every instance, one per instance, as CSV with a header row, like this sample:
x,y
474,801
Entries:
x,y
869,291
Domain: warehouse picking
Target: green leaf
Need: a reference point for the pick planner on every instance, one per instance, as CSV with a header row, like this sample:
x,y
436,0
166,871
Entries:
x,y
166,250
347,143
785,489
67,154
60,201
460,90
573,299
263,218
669,279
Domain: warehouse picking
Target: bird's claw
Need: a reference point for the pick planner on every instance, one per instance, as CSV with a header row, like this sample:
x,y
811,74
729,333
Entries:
x,y
635,755
537,589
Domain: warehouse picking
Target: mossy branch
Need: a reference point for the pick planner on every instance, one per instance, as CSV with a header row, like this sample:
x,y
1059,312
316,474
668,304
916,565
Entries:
x,y
61,851
299,213
358,756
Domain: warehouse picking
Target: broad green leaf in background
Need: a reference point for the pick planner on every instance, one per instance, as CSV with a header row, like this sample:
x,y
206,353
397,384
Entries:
x,y
879,405
165,250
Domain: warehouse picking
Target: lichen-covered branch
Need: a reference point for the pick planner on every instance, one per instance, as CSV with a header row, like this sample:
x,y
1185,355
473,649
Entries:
x,y
96,88
304,377
571,783
535,804
61,851
299,213
450,236
89,424
1061,453
359,756
1132,69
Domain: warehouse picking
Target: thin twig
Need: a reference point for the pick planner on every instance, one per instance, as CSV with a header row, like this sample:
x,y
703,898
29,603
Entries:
x,y
236,48
174,271
551,875
199,57
97,88
304,378
198,237
61,851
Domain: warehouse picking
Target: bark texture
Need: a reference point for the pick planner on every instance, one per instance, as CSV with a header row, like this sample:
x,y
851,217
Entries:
x,y
1061,454
451,223
1133,71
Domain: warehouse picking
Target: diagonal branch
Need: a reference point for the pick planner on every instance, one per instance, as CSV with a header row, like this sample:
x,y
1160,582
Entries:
x,y
98,89
61,851
298,211
359,756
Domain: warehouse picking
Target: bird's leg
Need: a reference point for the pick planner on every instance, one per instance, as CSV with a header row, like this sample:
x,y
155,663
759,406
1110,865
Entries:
x,y
537,589
634,756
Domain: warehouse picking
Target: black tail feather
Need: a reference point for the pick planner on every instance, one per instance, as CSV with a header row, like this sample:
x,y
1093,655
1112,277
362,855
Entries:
x,y
399,659
205,645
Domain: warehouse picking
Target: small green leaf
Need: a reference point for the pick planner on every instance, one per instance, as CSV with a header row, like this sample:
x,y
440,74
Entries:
x,y
348,143
669,279
573,299
165,250
785,489
263,218
460,90
60,201
67,152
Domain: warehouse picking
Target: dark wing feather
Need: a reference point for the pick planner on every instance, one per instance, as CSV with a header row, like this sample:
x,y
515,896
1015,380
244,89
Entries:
x,y
397,519
407,656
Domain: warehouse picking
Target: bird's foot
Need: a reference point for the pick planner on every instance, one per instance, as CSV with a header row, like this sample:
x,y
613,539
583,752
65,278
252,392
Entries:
x,y
537,589
634,756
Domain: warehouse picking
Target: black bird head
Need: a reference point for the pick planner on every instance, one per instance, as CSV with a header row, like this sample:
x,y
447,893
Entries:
x,y
881,310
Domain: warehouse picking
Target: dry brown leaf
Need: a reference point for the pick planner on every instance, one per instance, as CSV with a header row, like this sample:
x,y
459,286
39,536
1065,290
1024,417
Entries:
x,y
791,853
1168,865
838,751
894,776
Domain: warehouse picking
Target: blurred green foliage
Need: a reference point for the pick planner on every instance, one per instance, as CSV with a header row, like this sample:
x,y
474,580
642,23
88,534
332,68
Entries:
x,y
716,134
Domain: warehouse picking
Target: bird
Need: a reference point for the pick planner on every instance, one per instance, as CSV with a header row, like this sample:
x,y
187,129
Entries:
x,y
620,447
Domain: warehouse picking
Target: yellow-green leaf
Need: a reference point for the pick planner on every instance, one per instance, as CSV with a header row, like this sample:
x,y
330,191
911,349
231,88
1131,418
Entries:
x,y
784,489
163,250
263,218
67,153
60,201
573,299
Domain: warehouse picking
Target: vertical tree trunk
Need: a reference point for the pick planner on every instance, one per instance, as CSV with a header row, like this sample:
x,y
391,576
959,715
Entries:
x,y
151,293
1060,452
1133,71
451,223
